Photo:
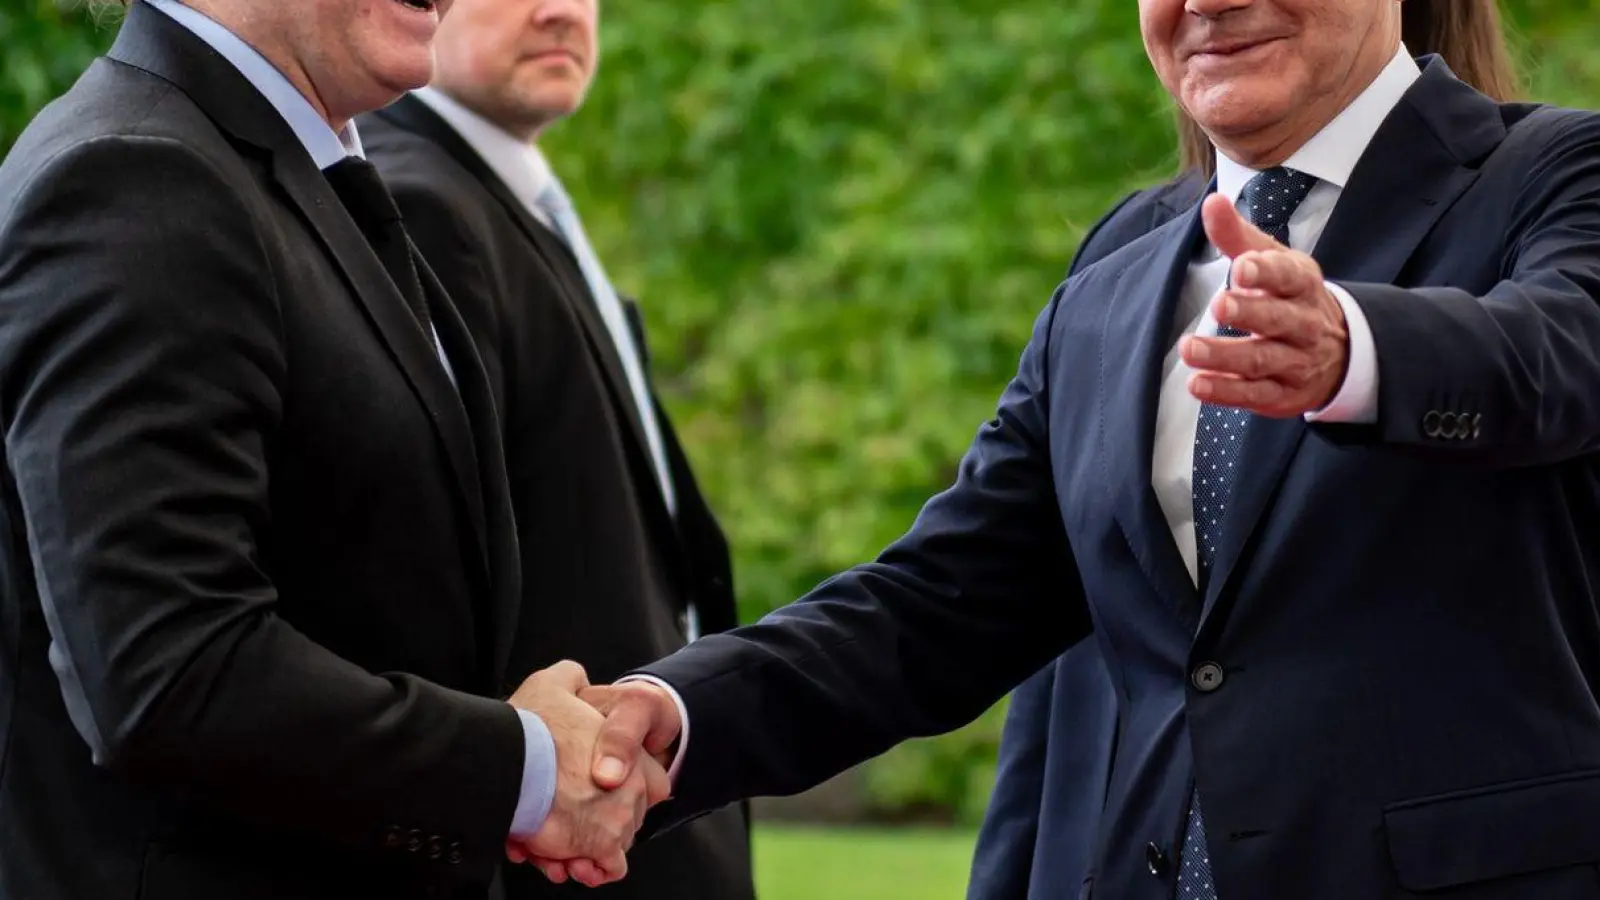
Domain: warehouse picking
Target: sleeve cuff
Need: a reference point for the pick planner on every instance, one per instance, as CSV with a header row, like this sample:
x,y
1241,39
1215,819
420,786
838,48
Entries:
x,y
538,777
1356,402
683,719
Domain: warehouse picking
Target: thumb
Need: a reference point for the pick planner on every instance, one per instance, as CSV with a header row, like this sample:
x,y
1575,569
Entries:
x,y
636,720
1229,232
566,676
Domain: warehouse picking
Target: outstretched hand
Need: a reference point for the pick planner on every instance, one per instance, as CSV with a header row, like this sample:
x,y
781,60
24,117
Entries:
x,y
1294,358
590,826
642,723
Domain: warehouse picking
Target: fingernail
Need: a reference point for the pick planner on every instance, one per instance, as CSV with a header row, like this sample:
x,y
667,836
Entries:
x,y
1201,388
1246,270
610,769
1230,308
1198,351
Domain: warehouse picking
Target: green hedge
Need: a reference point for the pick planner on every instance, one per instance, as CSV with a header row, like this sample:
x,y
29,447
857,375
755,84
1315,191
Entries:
x,y
841,217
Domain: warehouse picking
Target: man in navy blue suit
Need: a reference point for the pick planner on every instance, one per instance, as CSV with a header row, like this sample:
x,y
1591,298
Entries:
x,y
1316,462
1038,833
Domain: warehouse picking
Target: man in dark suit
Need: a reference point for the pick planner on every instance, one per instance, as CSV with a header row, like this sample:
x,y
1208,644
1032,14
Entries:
x,y
260,578
1060,729
622,559
1331,516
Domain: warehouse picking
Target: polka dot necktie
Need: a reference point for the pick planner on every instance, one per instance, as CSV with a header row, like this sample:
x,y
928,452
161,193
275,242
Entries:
x,y
1269,199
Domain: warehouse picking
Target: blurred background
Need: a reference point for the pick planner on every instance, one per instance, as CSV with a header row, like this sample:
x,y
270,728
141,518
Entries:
x,y
848,213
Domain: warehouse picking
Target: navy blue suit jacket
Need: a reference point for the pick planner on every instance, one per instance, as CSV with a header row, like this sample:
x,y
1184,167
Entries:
x,y
1399,636
1038,832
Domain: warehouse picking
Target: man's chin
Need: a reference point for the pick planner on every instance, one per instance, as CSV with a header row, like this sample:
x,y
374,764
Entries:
x,y
1239,108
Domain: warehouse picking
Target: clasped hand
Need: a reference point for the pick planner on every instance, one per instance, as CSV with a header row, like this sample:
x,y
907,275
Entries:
x,y
1298,346
611,756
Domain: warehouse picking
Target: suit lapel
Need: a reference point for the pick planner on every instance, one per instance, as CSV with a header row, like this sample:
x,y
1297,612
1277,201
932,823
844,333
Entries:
x,y
1410,174
151,41
411,349
1137,336
415,116
504,589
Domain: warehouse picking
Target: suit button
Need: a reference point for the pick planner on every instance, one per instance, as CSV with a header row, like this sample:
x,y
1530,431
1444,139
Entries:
x,y
1206,677
435,847
1449,426
1430,423
393,836
1155,859
455,854
413,840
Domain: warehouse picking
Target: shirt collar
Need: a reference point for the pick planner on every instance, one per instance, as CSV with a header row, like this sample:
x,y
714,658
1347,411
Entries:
x,y
320,140
1331,155
518,163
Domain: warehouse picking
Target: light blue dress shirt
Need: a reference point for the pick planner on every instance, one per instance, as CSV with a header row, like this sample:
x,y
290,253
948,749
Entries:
x,y
326,148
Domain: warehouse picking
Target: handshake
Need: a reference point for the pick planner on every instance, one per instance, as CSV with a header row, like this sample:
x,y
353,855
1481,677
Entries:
x,y
613,745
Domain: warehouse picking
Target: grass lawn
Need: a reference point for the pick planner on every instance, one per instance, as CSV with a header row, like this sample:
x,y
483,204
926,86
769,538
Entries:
x,y
794,863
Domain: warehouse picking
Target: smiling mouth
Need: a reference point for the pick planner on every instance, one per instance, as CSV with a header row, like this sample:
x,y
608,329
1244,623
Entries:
x,y
1233,49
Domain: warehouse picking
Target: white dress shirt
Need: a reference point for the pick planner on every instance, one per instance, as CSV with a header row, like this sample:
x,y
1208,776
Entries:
x,y
1330,157
327,147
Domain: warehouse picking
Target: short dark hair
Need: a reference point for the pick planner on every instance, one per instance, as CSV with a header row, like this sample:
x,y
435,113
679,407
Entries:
x,y
1466,34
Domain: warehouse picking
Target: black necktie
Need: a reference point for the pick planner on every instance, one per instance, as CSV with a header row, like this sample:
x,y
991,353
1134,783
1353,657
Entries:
x,y
361,190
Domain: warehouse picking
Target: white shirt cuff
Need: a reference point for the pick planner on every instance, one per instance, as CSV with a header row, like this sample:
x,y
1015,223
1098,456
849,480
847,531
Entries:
x,y
1357,399
683,719
538,777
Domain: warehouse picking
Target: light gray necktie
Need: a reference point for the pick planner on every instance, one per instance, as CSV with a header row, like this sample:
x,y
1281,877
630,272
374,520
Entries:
x,y
555,203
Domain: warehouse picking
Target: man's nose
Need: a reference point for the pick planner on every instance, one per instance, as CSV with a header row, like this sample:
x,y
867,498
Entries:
x,y
1215,9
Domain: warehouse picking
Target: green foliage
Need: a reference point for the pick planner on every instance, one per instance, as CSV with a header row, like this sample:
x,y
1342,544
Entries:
x,y
42,49
861,864
945,780
842,217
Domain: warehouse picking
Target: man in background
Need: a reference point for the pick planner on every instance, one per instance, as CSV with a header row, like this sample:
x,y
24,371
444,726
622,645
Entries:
x,y
258,575
622,560
1061,726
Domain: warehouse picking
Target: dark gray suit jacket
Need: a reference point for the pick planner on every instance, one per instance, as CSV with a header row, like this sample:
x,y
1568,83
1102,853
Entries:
x,y
258,574
607,570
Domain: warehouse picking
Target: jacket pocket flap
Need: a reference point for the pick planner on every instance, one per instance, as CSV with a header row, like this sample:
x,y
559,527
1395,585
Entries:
x,y
1496,831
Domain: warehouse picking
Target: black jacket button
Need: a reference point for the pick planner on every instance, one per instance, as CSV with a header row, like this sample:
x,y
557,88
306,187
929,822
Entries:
x,y
1206,677
1155,859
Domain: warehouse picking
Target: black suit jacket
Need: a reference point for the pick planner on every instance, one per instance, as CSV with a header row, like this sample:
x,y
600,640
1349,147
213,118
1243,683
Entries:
x,y
259,569
1388,688
608,571
1038,833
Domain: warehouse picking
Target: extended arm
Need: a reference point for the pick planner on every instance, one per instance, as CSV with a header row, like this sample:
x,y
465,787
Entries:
x,y
981,592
